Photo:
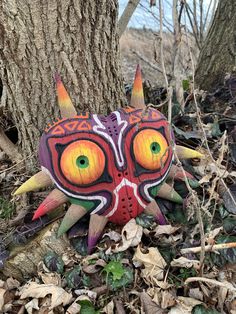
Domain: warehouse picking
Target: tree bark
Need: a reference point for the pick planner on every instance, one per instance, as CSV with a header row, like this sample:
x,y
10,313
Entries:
x,y
218,54
77,39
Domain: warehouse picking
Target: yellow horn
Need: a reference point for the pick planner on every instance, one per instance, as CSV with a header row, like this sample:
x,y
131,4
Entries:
x,y
66,107
137,98
187,153
38,181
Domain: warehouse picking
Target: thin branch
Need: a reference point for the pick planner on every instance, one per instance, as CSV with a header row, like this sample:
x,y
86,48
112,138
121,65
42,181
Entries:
x,y
141,57
192,26
207,14
209,248
201,21
167,25
169,88
224,284
126,15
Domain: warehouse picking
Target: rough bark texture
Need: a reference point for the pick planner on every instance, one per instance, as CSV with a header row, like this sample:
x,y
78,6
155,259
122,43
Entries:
x,y
38,38
218,54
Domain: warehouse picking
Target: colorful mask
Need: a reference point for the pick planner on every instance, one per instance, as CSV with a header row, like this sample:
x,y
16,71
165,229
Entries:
x,y
110,166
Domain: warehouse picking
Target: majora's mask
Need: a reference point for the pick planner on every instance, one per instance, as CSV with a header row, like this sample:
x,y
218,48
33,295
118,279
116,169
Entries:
x,y
110,166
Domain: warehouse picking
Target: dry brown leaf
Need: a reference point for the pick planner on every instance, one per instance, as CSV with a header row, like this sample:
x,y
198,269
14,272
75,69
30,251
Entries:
x,y
32,305
74,308
51,278
11,283
2,292
168,299
184,305
195,293
109,308
94,268
148,305
213,233
113,235
185,262
222,294
153,262
165,229
88,293
34,290
131,236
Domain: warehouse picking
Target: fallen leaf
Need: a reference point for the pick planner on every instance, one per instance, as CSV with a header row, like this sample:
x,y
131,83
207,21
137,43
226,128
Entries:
x,y
153,262
185,262
213,233
165,229
131,236
51,278
229,198
84,292
109,308
184,305
11,283
34,290
195,293
2,292
32,305
74,308
94,268
113,235
168,299
148,305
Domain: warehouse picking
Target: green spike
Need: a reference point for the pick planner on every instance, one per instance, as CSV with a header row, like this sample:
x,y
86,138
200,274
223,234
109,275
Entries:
x,y
73,214
167,192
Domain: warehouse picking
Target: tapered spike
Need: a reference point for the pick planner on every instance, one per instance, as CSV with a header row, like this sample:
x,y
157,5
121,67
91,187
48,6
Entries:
x,y
52,201
73,214
154,210
96,225
137,98
38,181
66,107
168,193
176,173
187,153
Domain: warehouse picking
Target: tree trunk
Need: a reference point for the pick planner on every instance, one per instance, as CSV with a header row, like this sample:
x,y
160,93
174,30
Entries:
x,y
218,54
77,39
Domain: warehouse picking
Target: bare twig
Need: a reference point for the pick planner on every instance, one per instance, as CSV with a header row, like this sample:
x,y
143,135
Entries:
x,y
169,88
176,64
125,17
224,284
192,25
153,66
209,248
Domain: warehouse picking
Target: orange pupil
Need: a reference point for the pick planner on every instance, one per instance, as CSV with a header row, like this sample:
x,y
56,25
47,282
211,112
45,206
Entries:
x,y
82,162
150,149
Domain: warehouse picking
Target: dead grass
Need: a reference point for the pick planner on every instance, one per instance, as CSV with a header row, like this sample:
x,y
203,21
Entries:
x,y
140,42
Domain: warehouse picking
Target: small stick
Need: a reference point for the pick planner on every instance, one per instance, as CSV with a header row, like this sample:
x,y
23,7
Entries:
x,y
209,248
224,284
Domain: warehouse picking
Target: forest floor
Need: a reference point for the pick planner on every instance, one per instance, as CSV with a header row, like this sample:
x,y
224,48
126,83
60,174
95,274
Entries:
x,y
186,266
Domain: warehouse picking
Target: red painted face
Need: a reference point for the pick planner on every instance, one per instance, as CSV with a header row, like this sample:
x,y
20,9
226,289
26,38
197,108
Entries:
x,y
111,162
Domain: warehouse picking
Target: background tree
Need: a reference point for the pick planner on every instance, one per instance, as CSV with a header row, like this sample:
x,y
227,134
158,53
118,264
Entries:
x,y
77,39
218,54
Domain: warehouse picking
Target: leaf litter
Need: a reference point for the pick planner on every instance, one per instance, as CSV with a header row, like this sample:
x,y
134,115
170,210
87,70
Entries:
x,y
145,267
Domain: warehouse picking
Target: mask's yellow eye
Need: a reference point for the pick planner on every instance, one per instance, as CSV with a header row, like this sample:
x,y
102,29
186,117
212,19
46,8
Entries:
x,y
150,149
82,162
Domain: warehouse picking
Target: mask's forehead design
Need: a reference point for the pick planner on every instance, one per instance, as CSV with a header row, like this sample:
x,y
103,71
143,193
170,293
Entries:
x,y
110,166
